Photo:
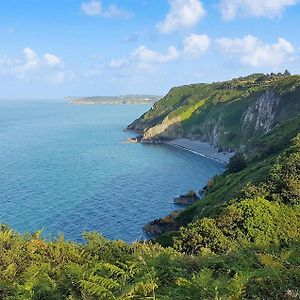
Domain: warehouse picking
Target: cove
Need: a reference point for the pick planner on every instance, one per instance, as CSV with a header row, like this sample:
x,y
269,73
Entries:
x,y
65,168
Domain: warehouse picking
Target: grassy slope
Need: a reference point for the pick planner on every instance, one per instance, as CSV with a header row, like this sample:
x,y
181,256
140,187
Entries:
x,y
262,154
203,106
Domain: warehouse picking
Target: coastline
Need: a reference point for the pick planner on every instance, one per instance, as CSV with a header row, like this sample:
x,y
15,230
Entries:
x,y
168,223
86,102
201,148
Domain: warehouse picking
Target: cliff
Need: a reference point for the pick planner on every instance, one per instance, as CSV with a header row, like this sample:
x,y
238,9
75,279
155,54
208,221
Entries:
x,y
225,114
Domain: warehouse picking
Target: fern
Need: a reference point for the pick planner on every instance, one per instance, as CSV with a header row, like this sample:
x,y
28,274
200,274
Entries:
x,y
113,269
97,290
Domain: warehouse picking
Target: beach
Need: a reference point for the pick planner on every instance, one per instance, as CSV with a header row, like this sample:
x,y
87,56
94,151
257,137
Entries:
x,y
202,148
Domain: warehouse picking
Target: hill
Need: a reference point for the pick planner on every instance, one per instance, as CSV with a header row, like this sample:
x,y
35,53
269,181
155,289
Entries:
x,y
225,114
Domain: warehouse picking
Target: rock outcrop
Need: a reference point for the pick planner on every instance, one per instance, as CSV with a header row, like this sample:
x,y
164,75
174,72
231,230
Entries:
x,y
162,225
260,117
134,139
187,199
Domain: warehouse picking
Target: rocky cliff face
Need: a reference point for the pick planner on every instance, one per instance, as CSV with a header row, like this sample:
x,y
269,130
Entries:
x,y
211,132
230,113
261,116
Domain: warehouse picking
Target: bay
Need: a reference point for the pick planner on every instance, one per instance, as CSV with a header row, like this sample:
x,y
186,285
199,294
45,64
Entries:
x,y
66,169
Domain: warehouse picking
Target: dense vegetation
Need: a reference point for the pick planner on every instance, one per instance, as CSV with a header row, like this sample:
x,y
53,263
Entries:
x,y
34,269
241,241
265,161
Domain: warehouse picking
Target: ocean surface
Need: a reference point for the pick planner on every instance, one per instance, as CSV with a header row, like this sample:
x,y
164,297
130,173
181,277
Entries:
x,y
65,168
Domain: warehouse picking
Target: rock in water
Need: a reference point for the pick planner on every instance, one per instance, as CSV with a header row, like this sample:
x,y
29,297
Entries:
x,y
134,139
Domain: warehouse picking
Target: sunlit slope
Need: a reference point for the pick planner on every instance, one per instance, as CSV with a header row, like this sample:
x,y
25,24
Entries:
x,y
225,114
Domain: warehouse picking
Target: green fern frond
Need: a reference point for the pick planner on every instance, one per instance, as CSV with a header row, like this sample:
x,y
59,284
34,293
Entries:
x,y
97,290
108,283
113,269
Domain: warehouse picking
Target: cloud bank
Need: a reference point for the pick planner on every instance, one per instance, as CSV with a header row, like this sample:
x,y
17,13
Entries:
x,y
255,53
48,66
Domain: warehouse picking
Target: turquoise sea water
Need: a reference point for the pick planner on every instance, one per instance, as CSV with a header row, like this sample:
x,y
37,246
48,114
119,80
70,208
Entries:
x,y
64,168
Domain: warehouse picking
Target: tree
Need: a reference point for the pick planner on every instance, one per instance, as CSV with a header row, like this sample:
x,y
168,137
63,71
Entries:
x,y
236,163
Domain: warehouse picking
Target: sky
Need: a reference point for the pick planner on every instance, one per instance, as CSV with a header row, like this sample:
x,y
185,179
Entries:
x,y
58,48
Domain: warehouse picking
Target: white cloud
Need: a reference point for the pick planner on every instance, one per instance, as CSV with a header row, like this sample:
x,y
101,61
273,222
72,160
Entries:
x,y
237,46
143,58
31,61
51,59
143,54
255,53
231,9
29,54
182,14
196,44
95,8
31,65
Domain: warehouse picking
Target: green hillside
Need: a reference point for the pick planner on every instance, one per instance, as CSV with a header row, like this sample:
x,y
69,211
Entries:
x,y
256,171
241,241
226,114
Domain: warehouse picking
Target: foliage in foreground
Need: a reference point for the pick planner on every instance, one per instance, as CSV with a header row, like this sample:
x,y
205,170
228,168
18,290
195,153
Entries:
x,y
31,268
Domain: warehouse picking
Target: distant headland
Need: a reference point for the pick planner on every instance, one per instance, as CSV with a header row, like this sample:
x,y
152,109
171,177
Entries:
x,y
123,99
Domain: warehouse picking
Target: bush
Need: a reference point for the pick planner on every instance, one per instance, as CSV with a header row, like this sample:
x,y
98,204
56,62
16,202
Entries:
x,y
202,235
247,222
285,175
237,163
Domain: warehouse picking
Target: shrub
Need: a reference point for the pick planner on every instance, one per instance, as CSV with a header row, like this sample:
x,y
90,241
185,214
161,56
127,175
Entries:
x,y
237,163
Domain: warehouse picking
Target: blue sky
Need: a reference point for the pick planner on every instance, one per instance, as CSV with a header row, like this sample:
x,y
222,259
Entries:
x,y
58,48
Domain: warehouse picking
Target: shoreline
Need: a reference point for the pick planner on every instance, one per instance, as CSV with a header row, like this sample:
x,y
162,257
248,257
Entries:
x,y
168,223
197,147
201,148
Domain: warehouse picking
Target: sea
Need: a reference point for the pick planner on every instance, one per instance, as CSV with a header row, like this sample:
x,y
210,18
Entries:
x,y
67,169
